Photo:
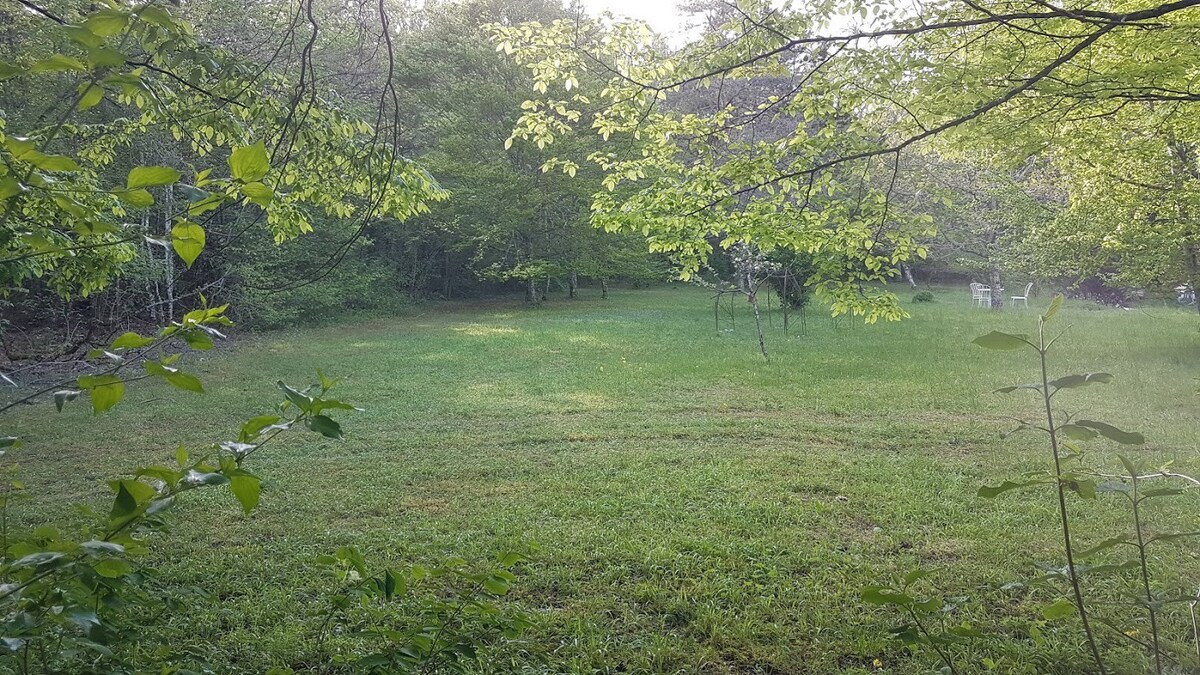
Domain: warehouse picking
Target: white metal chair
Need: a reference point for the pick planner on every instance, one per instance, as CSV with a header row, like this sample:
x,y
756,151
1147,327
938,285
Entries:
x,y
981,295
1024,297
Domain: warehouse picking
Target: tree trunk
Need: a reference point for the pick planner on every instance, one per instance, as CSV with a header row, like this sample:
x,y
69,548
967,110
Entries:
x,y
907,272
546,289
151,283
573,284
784,300
170,311
446,276
531,295
762,340
1193,268
994,282
604,289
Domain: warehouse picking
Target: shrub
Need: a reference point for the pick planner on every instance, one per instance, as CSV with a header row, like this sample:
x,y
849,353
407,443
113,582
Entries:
x,y
923,296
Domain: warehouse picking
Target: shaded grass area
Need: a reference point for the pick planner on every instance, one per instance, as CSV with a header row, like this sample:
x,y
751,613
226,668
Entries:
x,y
698,509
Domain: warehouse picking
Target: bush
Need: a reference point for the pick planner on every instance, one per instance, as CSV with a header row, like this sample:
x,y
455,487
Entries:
x,y
923,296
272,286
801,267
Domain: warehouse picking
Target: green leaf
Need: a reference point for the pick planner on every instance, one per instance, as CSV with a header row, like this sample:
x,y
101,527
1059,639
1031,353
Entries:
x,y
1130,469
258,193
877,595
187,239
389,584
209,203
319,404
8,70
9,186
106,22
103,57
50,162
495,585
250,163
324,426
105,391
138,199
247,488
297,398
112,568
1055,305
1112,433
1002,341
91,96
58,63
198,340
255,425
1103,546
82,36
915,576
1058,609
1084,488
174,376
989,492
158,16
130,341
151,176
130,495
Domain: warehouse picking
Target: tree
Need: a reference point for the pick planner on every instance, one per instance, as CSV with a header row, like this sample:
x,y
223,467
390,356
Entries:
x,y
70,182
962,74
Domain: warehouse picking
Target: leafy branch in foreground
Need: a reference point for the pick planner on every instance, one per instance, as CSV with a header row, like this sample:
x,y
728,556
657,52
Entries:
x,y
1068,474
439,631
66,601
927,618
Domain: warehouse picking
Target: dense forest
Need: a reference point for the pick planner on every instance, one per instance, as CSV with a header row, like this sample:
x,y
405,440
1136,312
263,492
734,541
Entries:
x,y
509,225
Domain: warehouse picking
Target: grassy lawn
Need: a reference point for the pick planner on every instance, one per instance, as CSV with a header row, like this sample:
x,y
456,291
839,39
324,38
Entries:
x,y
698,509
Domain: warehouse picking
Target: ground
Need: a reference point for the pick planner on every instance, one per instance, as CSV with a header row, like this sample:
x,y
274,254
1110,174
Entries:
x,y
698,509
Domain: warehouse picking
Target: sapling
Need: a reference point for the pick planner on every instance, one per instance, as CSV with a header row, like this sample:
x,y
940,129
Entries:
x,y
1063,430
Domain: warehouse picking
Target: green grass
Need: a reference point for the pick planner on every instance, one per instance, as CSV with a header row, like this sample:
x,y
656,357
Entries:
x,y
698,509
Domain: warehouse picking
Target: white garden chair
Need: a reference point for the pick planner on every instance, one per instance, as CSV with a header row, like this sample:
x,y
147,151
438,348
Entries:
x,y
981,295
1023,297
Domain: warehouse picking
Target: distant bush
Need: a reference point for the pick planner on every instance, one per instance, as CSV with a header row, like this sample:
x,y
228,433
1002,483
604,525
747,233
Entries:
x,y
272,288
923,296
800,267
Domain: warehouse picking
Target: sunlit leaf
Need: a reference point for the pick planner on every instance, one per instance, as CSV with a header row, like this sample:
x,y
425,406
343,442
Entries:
x,y
151,176
187,239
91,96
247,488
250,163
258,193
131,340
105,391
57,64
106,22
1055,305
1058,609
